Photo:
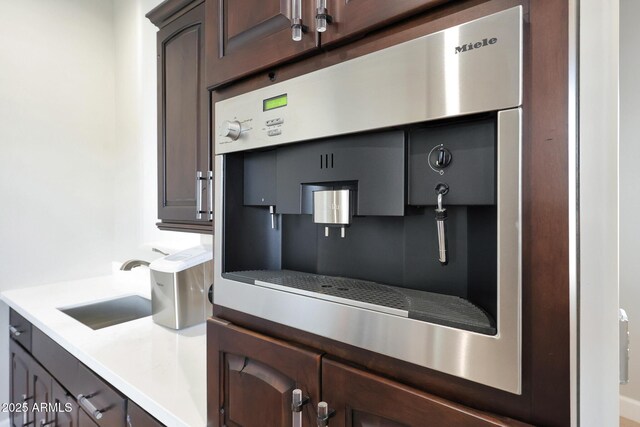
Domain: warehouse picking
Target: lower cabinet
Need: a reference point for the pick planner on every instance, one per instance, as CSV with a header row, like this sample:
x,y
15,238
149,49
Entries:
x,y
50,387
251,378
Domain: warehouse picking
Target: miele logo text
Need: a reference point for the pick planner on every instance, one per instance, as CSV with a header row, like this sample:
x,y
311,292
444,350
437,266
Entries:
x,y
476,45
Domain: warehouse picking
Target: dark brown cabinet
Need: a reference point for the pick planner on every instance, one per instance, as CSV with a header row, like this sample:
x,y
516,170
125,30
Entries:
x,y
20,384
184,156
68,415
251,378
250,35
362,399
351,17
50,387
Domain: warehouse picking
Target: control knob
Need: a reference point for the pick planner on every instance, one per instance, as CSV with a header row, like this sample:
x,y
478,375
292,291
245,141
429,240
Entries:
x,y
440,158
231,129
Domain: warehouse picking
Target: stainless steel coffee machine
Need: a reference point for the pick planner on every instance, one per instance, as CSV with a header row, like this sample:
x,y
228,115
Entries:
x,y
377,202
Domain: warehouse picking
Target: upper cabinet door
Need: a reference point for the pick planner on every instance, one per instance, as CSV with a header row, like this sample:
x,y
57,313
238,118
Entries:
x,y
351,17
251,35
183,103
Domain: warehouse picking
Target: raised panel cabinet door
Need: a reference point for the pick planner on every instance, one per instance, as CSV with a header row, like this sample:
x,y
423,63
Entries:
x,y
65,407
183,140
351,17
244,36
41,408
20,385
362,399
251,378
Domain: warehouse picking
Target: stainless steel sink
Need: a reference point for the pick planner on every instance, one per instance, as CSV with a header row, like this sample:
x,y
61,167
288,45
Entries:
x,y
112,312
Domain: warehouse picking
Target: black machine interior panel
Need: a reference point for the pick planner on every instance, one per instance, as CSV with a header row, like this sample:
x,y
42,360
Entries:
x,y
390,240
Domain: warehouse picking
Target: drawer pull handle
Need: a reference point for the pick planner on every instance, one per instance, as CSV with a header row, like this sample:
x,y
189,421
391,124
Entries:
x,y
14,331
25,416
297,402
86,404
322,16
297,27
324,413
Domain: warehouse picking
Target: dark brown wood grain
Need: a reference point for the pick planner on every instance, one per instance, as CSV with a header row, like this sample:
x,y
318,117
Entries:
x,y
546,213
363,399
169,10
545,398
183,110
354,17
251,377
251,35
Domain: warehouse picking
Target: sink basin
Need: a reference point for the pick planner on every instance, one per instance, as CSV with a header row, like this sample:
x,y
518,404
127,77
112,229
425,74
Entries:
x,y
112,312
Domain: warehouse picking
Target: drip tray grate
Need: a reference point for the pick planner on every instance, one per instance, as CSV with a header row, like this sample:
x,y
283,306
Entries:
x,y
430,307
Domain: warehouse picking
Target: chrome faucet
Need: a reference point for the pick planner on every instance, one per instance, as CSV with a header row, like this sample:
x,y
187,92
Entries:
x,y
133,263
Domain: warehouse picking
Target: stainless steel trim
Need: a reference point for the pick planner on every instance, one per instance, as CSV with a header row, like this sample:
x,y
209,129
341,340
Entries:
x,y
624,347
437,81
89,407
198,194
345,301
491,360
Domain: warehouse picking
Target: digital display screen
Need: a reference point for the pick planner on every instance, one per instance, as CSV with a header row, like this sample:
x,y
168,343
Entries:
x,y
275,102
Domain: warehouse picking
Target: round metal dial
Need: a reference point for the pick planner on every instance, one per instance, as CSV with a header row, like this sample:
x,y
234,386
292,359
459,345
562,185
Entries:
x,y
231,129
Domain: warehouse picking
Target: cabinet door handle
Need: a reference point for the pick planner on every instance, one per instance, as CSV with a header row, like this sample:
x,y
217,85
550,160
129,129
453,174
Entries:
x,y
297,28
210,194
624,346
199,179
324,413
25,414
90,408
322,16
14,331
297,402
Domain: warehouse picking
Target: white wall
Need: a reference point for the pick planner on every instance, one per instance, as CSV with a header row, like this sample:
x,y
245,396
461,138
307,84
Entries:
x,y
630,195
56,145
134,176
77,143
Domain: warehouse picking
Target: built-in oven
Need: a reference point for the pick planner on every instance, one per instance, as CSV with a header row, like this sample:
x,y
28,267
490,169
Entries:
x,y
377,202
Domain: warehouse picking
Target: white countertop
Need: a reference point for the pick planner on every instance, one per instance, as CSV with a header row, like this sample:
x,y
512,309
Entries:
x,y
162,370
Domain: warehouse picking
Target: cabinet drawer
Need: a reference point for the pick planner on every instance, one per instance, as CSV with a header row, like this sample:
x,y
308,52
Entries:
x,y
58,361
20,329
104,404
